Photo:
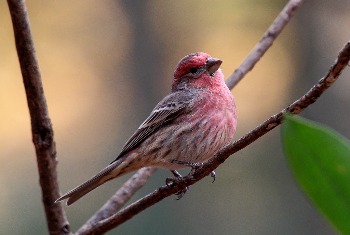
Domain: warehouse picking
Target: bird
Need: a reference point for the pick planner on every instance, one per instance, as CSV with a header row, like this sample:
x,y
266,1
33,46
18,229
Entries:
x,y
186,128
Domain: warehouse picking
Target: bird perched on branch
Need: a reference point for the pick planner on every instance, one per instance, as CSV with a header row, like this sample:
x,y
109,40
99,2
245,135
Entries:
x,y
186,128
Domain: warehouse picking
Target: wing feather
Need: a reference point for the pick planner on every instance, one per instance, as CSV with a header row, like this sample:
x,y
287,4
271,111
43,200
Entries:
x,y
164,112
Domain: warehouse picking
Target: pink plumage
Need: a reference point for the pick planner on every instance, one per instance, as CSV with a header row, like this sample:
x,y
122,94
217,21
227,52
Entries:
x,y
195,120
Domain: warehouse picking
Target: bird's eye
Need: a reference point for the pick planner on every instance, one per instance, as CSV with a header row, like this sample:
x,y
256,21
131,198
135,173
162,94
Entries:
x,y
193,70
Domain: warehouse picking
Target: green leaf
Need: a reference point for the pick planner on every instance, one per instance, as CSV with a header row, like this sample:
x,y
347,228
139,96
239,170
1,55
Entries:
x,y
320,161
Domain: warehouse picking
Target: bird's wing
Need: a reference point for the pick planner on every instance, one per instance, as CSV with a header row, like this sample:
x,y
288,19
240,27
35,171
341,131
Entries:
x,y
168,109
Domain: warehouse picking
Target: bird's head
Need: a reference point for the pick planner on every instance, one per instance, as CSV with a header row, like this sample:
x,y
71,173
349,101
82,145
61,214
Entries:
x,y
197,70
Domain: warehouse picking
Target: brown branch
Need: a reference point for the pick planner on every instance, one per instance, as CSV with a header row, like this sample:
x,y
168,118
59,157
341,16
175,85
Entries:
x,y
122,196
299,105
265,42
42,132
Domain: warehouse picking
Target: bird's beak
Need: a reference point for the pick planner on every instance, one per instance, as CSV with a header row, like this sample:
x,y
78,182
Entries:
x,y
213,65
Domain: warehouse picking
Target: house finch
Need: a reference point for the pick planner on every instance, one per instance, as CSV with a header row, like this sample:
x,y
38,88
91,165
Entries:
x,y
186,128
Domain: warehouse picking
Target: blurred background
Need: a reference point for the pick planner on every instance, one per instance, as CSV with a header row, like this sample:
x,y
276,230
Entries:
x,y
106,64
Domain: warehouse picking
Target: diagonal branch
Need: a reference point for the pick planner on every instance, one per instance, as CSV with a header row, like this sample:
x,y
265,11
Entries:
x,y
118,200
42,132
264,44
296,107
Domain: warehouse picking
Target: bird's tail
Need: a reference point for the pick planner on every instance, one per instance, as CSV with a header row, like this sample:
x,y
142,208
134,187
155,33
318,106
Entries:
x,y
102,177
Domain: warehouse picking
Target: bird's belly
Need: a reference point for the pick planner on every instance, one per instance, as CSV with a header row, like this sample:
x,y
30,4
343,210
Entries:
x,y
191,142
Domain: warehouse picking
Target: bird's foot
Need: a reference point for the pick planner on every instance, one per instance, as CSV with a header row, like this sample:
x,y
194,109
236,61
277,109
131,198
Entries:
x,y
194,166
213,175
170,181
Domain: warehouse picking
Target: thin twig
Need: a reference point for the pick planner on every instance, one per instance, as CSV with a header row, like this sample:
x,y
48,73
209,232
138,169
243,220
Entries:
x,y
42,132
118,200
265,42
299,105
270,35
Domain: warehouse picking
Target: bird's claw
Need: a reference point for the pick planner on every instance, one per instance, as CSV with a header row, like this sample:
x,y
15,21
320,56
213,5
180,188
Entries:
x,y
181,193
171,181
213,175
194,166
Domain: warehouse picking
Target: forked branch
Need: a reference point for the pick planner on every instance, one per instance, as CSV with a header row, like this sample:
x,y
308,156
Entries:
x,y
261,47
296,107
